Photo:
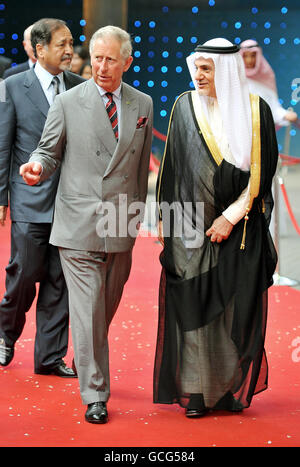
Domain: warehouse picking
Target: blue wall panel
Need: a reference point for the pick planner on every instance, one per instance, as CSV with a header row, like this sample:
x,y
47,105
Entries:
x,y
165,32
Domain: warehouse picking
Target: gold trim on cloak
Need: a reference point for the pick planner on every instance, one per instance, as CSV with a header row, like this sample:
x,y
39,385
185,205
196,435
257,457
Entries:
x,y
255,168
205,129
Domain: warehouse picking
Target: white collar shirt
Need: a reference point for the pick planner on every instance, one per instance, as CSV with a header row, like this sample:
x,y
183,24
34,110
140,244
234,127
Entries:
x,y
45,78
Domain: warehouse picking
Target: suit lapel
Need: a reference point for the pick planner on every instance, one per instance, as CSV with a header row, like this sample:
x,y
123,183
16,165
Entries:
x,y
35,92
97,118
129,110
69,80
96,114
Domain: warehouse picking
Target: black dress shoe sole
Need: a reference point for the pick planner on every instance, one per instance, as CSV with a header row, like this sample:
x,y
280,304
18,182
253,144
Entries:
x,y
52,373
62,375
95,421
196,413
56,372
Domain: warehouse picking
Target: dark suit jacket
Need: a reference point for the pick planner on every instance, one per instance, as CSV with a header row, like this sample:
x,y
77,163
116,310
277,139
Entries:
x,y
23,113
4,64
16,69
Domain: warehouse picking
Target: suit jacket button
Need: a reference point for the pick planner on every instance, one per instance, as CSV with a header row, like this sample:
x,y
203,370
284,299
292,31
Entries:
x,y
133,151
98,153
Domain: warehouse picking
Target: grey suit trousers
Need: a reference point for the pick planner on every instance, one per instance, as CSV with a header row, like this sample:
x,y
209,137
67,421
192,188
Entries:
x,y
95,282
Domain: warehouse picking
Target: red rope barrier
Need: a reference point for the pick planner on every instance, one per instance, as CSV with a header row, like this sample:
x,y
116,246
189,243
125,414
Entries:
x,y
159,135
293,219
289,160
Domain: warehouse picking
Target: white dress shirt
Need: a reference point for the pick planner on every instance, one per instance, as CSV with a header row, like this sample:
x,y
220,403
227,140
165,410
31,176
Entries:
x,y
45,78
117,97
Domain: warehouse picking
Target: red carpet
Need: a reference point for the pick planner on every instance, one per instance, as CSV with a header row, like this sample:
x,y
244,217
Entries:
x,y
47,411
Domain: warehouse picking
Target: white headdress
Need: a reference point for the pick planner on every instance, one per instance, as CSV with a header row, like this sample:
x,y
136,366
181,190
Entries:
x,y
232,95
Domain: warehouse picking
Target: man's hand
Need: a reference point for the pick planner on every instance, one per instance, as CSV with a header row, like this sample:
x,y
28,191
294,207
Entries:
x,y
220,229
291,116
3,211
31,172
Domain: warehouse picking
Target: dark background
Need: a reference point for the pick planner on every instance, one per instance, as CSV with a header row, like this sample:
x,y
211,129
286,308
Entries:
x,y
17,15
165,32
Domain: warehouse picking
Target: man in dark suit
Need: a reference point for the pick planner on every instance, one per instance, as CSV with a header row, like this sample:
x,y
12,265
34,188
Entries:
x,y
31,57
23,112
4,65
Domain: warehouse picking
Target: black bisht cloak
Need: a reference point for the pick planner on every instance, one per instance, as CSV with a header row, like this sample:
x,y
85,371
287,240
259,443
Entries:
x,y
213,298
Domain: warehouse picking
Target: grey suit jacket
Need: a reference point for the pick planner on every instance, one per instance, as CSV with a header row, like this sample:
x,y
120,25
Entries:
x,y
22,117
97,174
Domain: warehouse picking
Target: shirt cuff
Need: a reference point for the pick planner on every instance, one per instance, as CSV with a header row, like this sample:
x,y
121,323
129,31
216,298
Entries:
x,y
237,210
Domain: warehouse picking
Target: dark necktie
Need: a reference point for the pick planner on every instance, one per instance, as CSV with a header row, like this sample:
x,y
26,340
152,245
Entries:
x,y
55,83
112,113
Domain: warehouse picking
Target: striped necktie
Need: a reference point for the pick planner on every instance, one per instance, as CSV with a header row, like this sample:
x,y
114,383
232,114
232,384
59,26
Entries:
x,y
55,84
112,113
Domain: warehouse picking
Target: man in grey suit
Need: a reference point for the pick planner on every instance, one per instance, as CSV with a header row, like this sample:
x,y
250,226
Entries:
x,y
100,134
29,51
23,110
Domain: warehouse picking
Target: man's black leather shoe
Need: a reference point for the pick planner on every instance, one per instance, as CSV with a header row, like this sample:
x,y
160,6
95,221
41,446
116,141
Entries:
x,y
96,413
195,413
60,370
6,353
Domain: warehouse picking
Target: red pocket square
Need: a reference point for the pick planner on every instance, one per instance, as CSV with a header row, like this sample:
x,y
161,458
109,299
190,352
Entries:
x,y
142,121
